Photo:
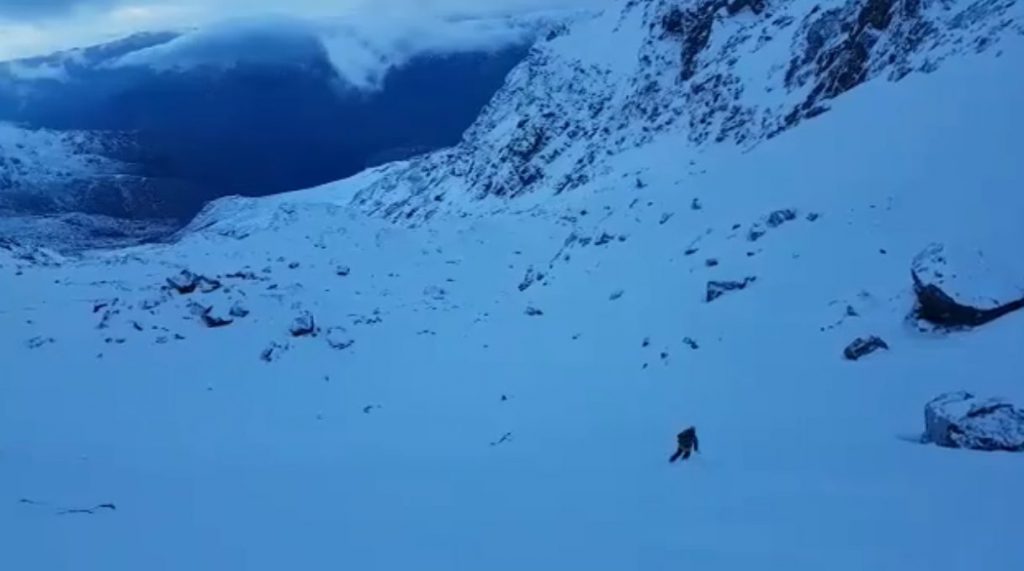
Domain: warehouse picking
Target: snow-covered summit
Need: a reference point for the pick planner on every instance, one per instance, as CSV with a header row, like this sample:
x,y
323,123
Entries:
x,y
706,71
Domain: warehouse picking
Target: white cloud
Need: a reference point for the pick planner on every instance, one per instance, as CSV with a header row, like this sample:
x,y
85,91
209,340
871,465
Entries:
x,y
32,27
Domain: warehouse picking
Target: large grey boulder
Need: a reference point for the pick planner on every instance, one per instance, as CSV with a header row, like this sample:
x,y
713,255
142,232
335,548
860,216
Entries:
x,y
960,420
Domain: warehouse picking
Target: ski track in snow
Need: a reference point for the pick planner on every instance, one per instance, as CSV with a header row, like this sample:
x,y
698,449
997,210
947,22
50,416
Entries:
x,y
457,431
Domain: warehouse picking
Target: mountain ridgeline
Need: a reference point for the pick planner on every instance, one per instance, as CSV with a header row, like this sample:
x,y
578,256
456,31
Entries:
x,y
175,138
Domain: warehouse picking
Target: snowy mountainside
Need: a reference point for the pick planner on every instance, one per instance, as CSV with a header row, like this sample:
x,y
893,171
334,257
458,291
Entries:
x,y
717,73
186,110
323,389
34,161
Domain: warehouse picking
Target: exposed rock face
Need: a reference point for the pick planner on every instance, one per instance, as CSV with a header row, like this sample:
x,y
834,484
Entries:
x,y
566,106
959,420
938,285
861,347
717,289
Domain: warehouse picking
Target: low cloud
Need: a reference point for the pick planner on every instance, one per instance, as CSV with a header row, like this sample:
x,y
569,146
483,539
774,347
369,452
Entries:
x,y
350,30
363,47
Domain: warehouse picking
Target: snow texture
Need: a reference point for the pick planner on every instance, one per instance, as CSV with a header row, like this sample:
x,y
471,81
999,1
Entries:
x,y
436,425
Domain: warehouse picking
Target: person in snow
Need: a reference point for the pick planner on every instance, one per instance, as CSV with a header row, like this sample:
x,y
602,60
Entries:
x,y
687,441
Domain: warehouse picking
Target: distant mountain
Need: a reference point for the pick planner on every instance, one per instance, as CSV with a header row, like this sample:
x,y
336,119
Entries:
x,y
179,136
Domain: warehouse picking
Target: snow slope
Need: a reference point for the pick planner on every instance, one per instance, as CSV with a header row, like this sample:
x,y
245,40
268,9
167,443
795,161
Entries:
x,y
459,410
33,162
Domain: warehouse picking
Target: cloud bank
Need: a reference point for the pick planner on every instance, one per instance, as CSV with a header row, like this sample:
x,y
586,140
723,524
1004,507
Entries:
x,y
34,27
361,49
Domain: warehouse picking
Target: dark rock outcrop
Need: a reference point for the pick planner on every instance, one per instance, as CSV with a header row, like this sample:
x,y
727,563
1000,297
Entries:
x,y
862,347
959,420
937,306
693,28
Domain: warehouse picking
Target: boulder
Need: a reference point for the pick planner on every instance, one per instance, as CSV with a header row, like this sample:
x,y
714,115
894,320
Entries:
x,y
961,293
960,420
717,289
861,347
187,282
303,326
213,320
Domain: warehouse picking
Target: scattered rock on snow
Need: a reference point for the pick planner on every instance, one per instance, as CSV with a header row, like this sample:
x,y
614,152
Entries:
x,y
187,282
780,217
435,293
717,289
338,338
950,299
507,437
37,342
861,347
530,278
959,420
756,233
773,220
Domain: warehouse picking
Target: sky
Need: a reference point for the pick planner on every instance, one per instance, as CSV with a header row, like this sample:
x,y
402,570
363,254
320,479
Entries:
x,y
33,27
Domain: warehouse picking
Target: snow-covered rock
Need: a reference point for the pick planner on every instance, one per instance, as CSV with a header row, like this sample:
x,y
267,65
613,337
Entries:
x,y
304,325
960,420
718,288
964,292
213,317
